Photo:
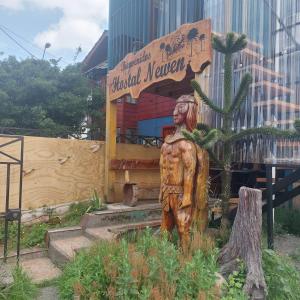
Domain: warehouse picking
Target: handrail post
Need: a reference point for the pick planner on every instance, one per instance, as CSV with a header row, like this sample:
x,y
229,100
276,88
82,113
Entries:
x,y
270,220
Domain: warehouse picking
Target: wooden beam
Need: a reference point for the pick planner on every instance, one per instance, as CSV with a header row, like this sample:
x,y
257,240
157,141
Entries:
x,y
110,147
134,164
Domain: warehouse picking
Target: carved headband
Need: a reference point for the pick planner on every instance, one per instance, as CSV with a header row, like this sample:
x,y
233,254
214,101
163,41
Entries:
x,y
186,99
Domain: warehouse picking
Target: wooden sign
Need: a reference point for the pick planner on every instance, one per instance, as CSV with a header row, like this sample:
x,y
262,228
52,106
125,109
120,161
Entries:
x,y
164,58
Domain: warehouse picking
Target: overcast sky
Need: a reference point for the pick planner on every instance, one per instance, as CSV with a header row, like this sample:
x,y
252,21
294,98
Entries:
x,y
66,24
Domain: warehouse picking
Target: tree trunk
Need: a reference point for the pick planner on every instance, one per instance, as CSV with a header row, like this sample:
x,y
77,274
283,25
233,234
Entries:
x,y
225,195
245,243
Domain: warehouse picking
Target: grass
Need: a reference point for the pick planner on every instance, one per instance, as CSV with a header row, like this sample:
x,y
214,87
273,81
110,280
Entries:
x,y
282,279
150,268
287,221
34,235
295,255
144,266
21,289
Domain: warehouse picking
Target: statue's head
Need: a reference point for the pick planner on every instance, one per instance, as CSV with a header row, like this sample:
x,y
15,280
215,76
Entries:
x,y
185,112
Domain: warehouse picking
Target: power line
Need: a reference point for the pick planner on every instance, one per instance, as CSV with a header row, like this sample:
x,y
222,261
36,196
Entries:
x,y
13,39
33,45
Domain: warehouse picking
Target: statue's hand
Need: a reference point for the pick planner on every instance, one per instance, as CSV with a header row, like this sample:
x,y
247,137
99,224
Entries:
x,y
184,201
160,196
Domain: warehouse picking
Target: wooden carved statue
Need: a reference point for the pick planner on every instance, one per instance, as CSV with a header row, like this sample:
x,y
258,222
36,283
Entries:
x,y
180,163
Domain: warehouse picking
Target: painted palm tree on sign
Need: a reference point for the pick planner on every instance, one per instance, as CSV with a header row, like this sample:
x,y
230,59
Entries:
x,y
168,49
192,35
202,41
162,48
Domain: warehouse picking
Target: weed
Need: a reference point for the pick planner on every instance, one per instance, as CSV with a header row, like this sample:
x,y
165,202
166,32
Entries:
x,y
288,220
235,283
295,255
21,289
150,268
282,279
33,235
96,203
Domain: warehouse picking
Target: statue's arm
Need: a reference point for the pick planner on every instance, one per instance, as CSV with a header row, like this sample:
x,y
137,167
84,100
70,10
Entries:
x,y
189,164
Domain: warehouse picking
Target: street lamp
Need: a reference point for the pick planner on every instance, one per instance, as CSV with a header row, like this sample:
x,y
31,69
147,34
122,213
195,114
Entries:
x,y
47,45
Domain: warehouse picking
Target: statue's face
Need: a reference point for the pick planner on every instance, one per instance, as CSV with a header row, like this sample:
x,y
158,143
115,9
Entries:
x,y
179,114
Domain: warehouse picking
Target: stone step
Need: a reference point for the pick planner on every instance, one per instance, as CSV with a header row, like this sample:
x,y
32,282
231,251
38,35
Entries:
x,y
63,243
27,253
40,269
62,233
115,231
120,214
62,250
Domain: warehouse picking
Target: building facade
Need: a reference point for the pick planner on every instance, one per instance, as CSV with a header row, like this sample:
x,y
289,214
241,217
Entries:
x,y
272,57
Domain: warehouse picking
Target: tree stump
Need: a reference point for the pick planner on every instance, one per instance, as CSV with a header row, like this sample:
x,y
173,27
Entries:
x,y
245,243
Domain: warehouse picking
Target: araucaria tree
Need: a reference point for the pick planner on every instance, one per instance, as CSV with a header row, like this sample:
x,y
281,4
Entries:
x,y
206,137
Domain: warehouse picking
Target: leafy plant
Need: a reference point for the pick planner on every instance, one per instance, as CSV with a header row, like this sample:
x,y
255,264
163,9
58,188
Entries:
x,y
150,268
96,203
35,236
207,137
282,279
288,220
21,289
235,283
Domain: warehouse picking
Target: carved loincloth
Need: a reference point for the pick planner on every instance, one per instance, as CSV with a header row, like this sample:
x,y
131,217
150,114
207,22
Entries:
x,y
166,191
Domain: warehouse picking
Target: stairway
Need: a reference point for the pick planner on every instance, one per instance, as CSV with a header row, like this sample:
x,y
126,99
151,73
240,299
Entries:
x,y
109,224
62,244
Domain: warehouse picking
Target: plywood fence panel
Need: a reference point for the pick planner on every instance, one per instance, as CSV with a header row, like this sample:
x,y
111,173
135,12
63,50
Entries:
x,y
56,171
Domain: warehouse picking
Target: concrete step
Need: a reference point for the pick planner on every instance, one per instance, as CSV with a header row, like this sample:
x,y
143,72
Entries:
x,y
99,233
120,214
40,269
62,233
115,231
62,250
63,243
27,253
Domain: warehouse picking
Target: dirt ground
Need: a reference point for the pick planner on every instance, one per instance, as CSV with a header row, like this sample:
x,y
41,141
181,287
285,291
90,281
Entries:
x,y
289,245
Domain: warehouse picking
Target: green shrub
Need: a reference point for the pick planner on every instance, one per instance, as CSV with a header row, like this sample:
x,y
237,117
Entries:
x,y
282,278
288,220
35,235
233,289
31,236
96,203
151,268
21,289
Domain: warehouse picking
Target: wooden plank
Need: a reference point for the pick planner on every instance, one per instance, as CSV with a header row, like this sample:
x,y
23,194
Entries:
x,y
134,164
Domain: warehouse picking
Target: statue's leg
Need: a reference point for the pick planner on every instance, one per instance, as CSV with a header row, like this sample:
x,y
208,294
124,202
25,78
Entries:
x,y
167,222
183,219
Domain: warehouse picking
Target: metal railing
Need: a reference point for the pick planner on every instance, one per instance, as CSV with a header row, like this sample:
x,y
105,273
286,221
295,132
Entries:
x,y
11,214
140,139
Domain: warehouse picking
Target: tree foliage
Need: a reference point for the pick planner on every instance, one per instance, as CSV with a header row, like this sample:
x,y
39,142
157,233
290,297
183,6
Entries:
x,y
206,137
36,94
